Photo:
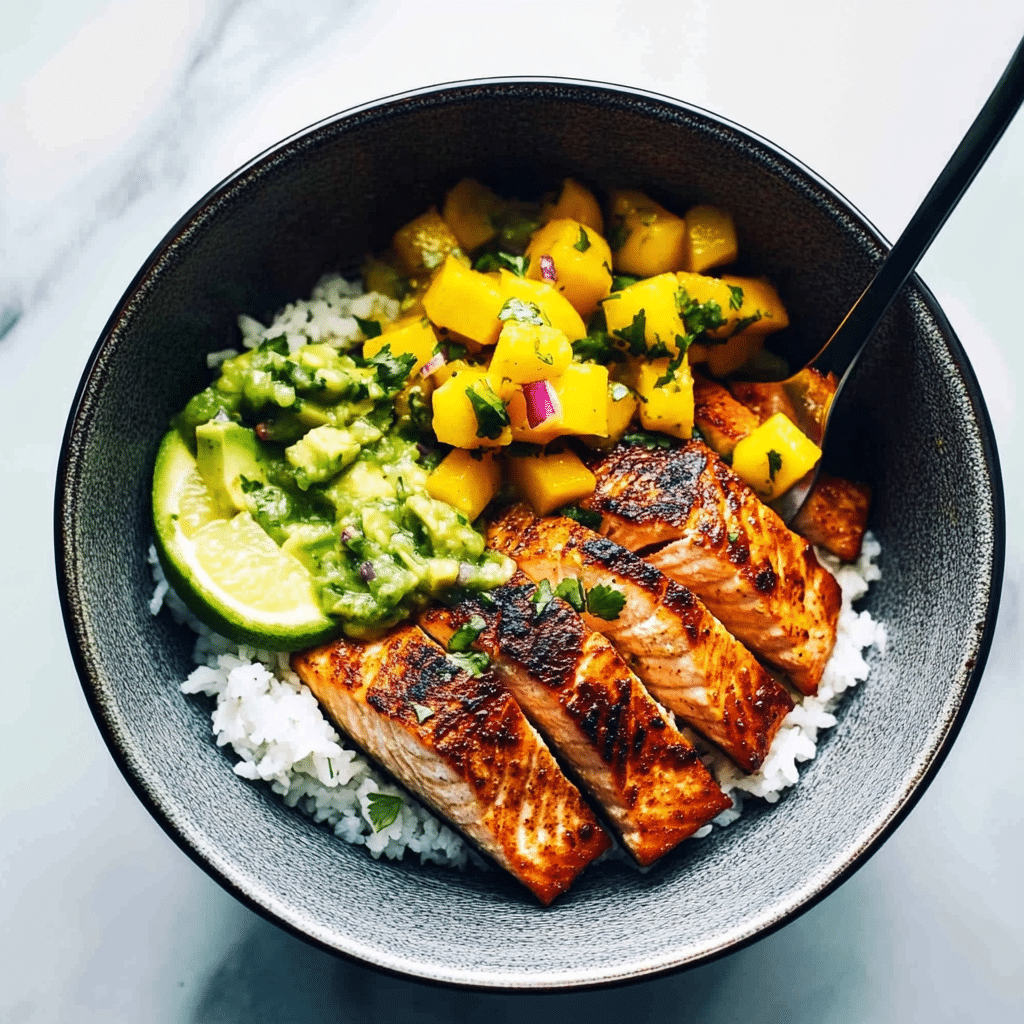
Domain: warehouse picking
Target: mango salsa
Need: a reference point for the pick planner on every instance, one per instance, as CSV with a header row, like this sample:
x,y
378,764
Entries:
x,y
622,404
469,210
552,304
710,238
423,244
648,240
409,335
773,456
529,352
646,315
579,259
760,304
464,301
469,412
666,397
576,202
552,480
466,481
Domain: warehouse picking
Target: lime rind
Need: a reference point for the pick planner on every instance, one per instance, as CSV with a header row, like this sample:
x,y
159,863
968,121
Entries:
x,y
229,572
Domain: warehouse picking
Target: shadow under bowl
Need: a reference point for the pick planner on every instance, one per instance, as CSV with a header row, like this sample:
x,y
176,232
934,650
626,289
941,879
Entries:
x,y
320,201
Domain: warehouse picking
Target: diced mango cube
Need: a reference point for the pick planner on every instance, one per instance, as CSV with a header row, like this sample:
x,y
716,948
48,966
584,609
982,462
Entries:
x,y
464,301
774,456
580,260
551,480
666,397
622,403
468,411
469,210
442,373
649,240
583,393
423,244
410,335
761,306
552,304
655,299
576,202
521,429
710,237
527,352
466,480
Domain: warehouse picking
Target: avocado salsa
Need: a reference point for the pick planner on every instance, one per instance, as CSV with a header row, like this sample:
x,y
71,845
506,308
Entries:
x,y
323,449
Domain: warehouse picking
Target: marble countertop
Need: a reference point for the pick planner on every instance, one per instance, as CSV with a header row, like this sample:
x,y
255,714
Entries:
x,y
115,117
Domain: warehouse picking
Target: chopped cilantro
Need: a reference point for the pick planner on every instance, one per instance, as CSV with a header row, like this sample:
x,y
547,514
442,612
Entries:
x,y
526,312
422,712
742,325
491,414
597,346
464,637
648,440
633,335
383,809
570,590
774,463
473,662
605,602
502,261
392,370
583,516
670,370
735,297
734,536
620,281
582,243
542,596
278,344
370,328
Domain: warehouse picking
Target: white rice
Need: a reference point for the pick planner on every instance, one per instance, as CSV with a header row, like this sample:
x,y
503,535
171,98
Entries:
x,y
274,725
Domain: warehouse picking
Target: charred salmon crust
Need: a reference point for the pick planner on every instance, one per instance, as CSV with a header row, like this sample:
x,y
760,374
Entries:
x,y
683,655
614,738
462,745
760,580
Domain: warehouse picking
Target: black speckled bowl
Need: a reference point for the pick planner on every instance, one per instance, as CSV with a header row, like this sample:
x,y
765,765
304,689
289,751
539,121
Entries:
x,y
321,200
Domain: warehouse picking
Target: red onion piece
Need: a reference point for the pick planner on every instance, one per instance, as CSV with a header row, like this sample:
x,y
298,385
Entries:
x,y
547,269
434,363
542,402
347,534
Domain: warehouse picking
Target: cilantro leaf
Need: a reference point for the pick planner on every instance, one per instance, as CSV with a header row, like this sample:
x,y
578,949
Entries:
x,y
542,596
735,297
491,414
774,463
278,345
392,371
422,712
617,235
502,261
698,317
582,244
526,312
597,346
605,602
742,325
620,281
383,809
670,370
633,335
463,638
583,516
734,535
570,590
648,440
370,328
473,662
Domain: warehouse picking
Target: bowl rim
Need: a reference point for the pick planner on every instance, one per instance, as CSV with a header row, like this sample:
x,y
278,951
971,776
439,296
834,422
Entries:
x,y
65,500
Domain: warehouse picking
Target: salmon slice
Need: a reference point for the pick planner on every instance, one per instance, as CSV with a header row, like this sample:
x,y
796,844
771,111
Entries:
x,y
761,581
462,745
571,683
687,659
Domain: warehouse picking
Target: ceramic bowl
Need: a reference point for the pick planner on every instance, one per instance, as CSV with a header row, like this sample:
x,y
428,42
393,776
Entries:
x,y
319,201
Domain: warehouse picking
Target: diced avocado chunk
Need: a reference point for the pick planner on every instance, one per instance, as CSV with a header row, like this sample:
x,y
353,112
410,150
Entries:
x,y
226,455
326,450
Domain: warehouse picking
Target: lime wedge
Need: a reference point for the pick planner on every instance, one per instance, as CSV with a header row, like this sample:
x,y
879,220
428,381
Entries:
x,y
228,571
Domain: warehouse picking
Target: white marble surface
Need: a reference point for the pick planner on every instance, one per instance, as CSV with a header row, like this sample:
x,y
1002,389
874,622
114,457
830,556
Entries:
x,y
116,117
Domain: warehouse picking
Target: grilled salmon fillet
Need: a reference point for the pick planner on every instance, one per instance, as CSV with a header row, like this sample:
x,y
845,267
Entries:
x,y
621,746
462,745
761,581
682,653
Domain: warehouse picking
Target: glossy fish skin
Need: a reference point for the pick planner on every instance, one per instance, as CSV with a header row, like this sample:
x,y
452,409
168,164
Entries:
x,y
474,757
761,581
619,743
683,655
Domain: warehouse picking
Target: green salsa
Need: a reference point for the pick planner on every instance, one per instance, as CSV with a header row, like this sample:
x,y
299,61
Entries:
x,y
324,451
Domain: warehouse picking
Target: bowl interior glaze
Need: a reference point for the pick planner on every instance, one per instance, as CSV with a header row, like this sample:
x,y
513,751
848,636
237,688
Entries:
x,y
319,202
